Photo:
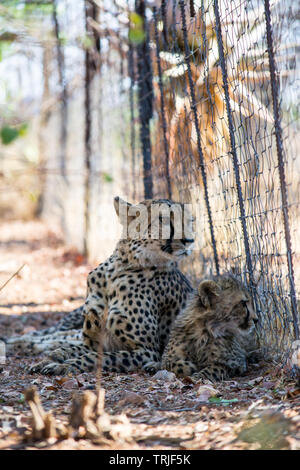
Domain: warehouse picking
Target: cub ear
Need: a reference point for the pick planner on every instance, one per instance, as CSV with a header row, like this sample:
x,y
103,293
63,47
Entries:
x,y
118,202
208,291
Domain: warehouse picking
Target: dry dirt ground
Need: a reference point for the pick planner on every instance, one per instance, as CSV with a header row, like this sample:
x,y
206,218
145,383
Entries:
x,y
258,411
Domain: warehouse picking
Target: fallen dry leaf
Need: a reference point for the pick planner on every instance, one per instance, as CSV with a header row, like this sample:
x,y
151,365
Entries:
x,y
61,380
70,384
255,381
165,375
293,392
269,385
204,392
132,398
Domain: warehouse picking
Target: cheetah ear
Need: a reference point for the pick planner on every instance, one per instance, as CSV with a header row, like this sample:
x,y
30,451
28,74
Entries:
x,y
118,202
208,291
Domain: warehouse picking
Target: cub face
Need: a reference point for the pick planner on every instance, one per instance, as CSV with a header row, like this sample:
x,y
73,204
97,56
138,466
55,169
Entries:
x,y
244,316
229,306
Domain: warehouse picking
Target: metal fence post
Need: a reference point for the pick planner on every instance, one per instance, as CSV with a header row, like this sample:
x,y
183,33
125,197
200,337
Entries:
x,y
199,146
131,74
281,169
233,148
145,98
162,106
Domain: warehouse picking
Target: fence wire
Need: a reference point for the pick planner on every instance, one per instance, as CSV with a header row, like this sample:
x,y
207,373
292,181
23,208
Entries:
x,y
194,100
224,138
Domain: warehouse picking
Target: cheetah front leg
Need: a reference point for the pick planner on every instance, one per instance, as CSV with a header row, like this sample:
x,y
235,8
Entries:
x,y
226,364
70,356
127,351
180,367
175,359
81,355
119,361
128,361
55,364
213,373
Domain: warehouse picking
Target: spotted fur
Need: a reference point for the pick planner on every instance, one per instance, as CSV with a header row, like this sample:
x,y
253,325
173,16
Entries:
x,y
213,337
132,301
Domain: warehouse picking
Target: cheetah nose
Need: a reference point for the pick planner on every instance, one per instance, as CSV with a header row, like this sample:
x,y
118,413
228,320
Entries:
x,y
255,320
187,240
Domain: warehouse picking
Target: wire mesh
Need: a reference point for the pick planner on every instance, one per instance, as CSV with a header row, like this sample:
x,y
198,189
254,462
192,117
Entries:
x,y
224,140
197,100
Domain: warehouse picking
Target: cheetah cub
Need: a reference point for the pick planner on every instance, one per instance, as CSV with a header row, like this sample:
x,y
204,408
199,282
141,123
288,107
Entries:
x,y
213,337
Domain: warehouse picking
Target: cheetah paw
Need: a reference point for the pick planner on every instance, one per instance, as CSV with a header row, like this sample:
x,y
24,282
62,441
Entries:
x,y
50,368
198,377
58,356
37,367
152,367
54,368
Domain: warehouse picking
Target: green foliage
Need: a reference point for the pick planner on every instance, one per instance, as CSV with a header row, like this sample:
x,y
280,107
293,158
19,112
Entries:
x,y
18,9
63,39
4,49
8,134
16,12
107,177
86,42
23,129
222,401
8,36
136,30
33,196
21,398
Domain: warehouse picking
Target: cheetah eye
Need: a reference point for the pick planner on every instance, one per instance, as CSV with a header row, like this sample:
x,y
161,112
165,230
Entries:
x,y
244,304
241,306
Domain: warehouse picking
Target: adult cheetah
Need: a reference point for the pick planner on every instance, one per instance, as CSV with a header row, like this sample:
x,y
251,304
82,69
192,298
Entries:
x,y
132,298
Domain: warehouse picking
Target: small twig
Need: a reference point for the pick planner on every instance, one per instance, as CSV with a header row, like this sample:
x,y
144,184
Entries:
x,y
11,277
202,403
44,425
162,439
38,413
82,409
194,408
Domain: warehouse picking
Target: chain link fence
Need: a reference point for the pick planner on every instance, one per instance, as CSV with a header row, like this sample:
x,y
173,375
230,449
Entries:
x,y
194,100
217,87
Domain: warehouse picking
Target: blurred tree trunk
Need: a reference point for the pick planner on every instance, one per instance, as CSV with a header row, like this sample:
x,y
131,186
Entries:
x,y
132,76
63,91
44,119
92,66
145,98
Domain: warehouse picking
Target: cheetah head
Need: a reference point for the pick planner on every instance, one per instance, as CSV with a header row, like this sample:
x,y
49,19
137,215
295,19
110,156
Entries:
x,y
156,230
228,306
